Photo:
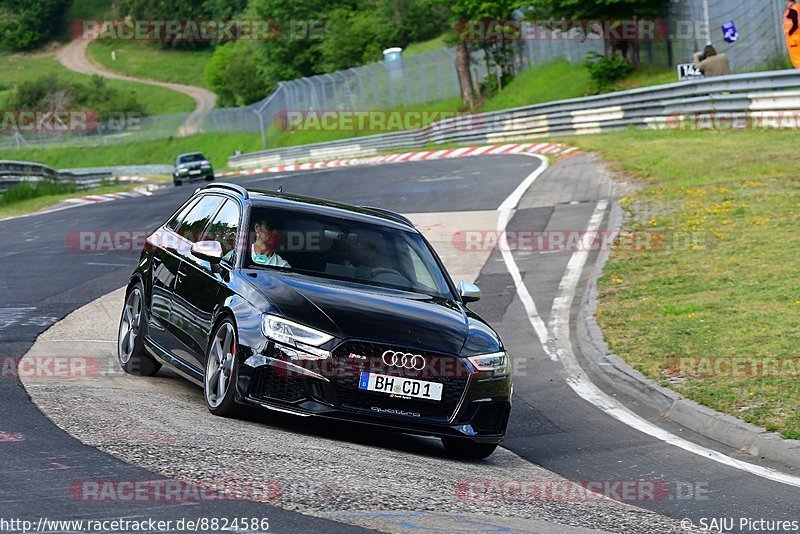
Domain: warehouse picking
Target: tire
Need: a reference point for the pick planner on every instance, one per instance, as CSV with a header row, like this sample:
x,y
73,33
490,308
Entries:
x,y
467,450
221,366
178,183
132,356
210,179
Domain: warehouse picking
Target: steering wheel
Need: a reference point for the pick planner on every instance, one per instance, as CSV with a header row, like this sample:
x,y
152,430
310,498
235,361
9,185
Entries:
x,y
377,271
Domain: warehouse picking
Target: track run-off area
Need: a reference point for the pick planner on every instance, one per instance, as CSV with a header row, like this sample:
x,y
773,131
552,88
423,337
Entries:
x,y
59,300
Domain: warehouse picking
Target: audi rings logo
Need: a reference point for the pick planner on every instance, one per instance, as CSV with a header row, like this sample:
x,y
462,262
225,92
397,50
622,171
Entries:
x,y
406,360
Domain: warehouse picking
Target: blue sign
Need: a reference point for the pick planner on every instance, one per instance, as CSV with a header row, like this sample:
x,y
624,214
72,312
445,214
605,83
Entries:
x,y
729,32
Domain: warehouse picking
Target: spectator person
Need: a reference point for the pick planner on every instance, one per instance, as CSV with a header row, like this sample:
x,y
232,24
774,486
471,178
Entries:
x,y
710,63
791,21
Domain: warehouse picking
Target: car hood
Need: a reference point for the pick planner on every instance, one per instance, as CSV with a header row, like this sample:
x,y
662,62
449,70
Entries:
x,y
354,311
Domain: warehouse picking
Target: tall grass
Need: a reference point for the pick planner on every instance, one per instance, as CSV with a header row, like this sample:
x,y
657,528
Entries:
x,y
29,190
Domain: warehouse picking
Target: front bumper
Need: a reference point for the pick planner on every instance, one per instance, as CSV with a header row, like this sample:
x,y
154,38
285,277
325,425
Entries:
x,y
474,405
204,174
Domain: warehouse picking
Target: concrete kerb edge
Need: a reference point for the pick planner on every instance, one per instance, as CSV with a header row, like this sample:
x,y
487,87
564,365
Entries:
x,y
726,429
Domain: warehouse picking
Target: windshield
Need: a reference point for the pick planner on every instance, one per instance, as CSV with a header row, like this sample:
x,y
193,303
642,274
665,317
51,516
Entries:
x,y
345,250
190,158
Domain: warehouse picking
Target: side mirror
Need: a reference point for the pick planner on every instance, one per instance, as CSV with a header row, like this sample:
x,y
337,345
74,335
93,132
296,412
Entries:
x,y
469,292
210,251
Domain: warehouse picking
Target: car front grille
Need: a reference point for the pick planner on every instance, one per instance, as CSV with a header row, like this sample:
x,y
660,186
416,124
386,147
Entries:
x,y
352,358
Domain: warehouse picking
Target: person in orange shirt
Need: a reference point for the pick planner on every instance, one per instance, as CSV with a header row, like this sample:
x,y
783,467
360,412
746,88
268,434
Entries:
x,y
791,27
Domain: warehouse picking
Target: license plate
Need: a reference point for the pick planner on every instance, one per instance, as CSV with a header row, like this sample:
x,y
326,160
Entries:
x,y
397,385
196,171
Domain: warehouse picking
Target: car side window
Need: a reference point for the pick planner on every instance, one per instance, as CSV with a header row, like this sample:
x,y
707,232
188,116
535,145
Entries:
x,y
421,273
224,227
176,221
197,219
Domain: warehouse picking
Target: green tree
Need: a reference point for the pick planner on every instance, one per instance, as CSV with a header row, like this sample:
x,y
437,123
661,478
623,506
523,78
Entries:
x,y
194,10
25,24
488,18
352,38
233,74
358,34
294,52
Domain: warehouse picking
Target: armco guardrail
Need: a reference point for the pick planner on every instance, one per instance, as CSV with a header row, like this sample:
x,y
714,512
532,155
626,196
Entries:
x,y
14,172
124,170
655,107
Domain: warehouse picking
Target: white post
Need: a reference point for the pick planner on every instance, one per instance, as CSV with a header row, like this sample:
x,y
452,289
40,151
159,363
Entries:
x,y
707,17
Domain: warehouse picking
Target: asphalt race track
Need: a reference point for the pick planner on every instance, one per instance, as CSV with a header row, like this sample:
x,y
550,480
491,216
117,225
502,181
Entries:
x,y
43,281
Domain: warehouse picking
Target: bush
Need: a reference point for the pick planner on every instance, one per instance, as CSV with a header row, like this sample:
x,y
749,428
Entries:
x,y
605,71
233,74
25,24
53,94
491,85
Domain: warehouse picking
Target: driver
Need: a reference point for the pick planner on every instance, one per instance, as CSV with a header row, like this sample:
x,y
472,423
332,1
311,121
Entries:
x,y
267,242
363,256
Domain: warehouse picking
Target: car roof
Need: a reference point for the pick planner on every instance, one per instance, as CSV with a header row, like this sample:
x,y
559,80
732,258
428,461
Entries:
x,y
191,154
281,200
289,201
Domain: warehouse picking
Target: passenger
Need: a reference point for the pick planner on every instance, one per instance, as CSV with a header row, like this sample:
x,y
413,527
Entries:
x,y
267,242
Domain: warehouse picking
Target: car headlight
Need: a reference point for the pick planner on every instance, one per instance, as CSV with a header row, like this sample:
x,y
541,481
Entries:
x,y
206,165
496,362
183,171
295,335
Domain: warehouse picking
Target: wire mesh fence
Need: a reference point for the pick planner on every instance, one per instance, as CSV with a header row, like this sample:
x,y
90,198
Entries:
x,y
431,77
760,43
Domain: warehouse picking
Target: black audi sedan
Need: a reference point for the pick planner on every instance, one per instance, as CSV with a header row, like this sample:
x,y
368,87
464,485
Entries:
x,y
316,308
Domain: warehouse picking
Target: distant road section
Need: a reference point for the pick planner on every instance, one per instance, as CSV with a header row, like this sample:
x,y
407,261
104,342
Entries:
x,y
73,56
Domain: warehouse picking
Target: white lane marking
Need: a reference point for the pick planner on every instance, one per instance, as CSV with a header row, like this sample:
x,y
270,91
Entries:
x,y
568,285
577,379
506,210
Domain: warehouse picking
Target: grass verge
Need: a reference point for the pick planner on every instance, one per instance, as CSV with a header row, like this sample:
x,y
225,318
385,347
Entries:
x,y
423,47
216,146
726,285
149,60
559,80
24,200
15,68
